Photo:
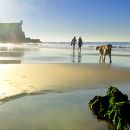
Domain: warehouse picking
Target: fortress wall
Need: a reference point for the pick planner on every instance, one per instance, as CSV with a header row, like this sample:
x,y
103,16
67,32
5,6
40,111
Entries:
x,y
11,32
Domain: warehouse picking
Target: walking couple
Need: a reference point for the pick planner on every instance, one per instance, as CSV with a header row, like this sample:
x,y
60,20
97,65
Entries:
x,y
80,43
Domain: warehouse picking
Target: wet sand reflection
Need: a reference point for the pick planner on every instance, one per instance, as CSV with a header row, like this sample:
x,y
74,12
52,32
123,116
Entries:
x,y
76,58
11,55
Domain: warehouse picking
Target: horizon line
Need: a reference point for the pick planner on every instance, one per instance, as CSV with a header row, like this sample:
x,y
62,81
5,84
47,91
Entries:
x,y
85,41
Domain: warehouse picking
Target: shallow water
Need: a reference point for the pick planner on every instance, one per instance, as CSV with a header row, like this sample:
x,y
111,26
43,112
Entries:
x,y
65,111
59,53
54,111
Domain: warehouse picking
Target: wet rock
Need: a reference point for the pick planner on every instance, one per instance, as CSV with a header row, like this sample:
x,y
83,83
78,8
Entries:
x,y
114,107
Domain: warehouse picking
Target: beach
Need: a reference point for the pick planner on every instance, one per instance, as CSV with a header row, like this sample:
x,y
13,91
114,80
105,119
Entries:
x,y
55,96
36,95
58,60
58,77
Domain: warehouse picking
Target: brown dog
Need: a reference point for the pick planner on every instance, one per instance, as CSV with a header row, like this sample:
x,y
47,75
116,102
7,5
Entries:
x,y
104,50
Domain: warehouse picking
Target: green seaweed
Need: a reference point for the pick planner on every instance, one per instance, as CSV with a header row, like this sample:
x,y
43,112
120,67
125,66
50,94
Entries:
x,y
114,107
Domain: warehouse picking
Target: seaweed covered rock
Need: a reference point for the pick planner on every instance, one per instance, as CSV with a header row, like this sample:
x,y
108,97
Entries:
x,y
114,107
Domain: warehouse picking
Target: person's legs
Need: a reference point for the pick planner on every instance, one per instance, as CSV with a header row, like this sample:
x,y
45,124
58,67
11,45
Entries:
x,y
79,48
73,47
110,58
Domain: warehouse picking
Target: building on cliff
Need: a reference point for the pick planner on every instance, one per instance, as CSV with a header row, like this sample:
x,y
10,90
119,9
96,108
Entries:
x,y
13,33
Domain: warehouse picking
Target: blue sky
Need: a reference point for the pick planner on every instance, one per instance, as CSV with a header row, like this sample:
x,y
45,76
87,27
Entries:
x,y
60,20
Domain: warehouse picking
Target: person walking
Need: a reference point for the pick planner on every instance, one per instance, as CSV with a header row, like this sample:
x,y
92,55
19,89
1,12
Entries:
x,y
73,42
80,43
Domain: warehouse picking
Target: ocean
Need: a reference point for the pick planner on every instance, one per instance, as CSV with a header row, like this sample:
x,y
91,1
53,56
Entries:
x,y
60,52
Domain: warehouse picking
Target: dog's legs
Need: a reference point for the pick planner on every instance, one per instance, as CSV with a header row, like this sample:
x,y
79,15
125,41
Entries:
x,y
100,58
104,58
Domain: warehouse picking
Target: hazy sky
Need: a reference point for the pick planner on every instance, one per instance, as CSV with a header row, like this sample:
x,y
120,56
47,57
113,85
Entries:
x,y
60,20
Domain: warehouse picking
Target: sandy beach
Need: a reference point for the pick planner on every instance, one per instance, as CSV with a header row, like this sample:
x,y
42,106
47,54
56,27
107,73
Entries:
x,y
37,95
55,96
57,55
29,78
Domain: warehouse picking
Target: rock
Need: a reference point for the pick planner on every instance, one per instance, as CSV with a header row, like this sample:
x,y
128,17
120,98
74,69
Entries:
x,y
114,107
13,33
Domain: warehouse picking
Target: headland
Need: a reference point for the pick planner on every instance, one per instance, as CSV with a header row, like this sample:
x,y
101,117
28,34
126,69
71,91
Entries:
x,y
13,33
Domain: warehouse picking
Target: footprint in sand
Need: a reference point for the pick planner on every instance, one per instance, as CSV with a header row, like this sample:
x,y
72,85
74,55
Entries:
x,y
23,76
16,86
7,80
31,86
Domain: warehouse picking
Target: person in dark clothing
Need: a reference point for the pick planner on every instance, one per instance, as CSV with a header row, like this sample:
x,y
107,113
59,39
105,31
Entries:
x,y
80,43
73,43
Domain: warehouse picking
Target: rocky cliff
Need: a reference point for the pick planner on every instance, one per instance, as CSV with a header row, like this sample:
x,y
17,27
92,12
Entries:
x,y
12,32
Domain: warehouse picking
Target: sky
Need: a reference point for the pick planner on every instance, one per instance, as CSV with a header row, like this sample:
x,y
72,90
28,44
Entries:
x,y
60,20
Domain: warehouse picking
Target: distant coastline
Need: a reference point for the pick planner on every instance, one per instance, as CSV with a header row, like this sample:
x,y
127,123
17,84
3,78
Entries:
x,y
13,33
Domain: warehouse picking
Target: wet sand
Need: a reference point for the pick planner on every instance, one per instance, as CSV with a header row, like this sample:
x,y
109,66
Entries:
x,y
27,78
55,96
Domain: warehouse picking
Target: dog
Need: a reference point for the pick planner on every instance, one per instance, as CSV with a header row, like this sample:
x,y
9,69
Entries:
x,y
104,50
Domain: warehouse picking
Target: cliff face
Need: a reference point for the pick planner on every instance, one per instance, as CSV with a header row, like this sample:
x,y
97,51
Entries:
x,y
12,32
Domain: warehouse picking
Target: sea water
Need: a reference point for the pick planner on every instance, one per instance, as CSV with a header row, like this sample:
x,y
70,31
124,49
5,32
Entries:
x,y
38,53
53,111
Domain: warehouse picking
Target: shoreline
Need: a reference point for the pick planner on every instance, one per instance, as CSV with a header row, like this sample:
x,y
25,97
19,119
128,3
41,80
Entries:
x,y
103,89
55,53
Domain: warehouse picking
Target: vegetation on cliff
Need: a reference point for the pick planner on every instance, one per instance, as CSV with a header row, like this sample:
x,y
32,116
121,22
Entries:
x,y
114,107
